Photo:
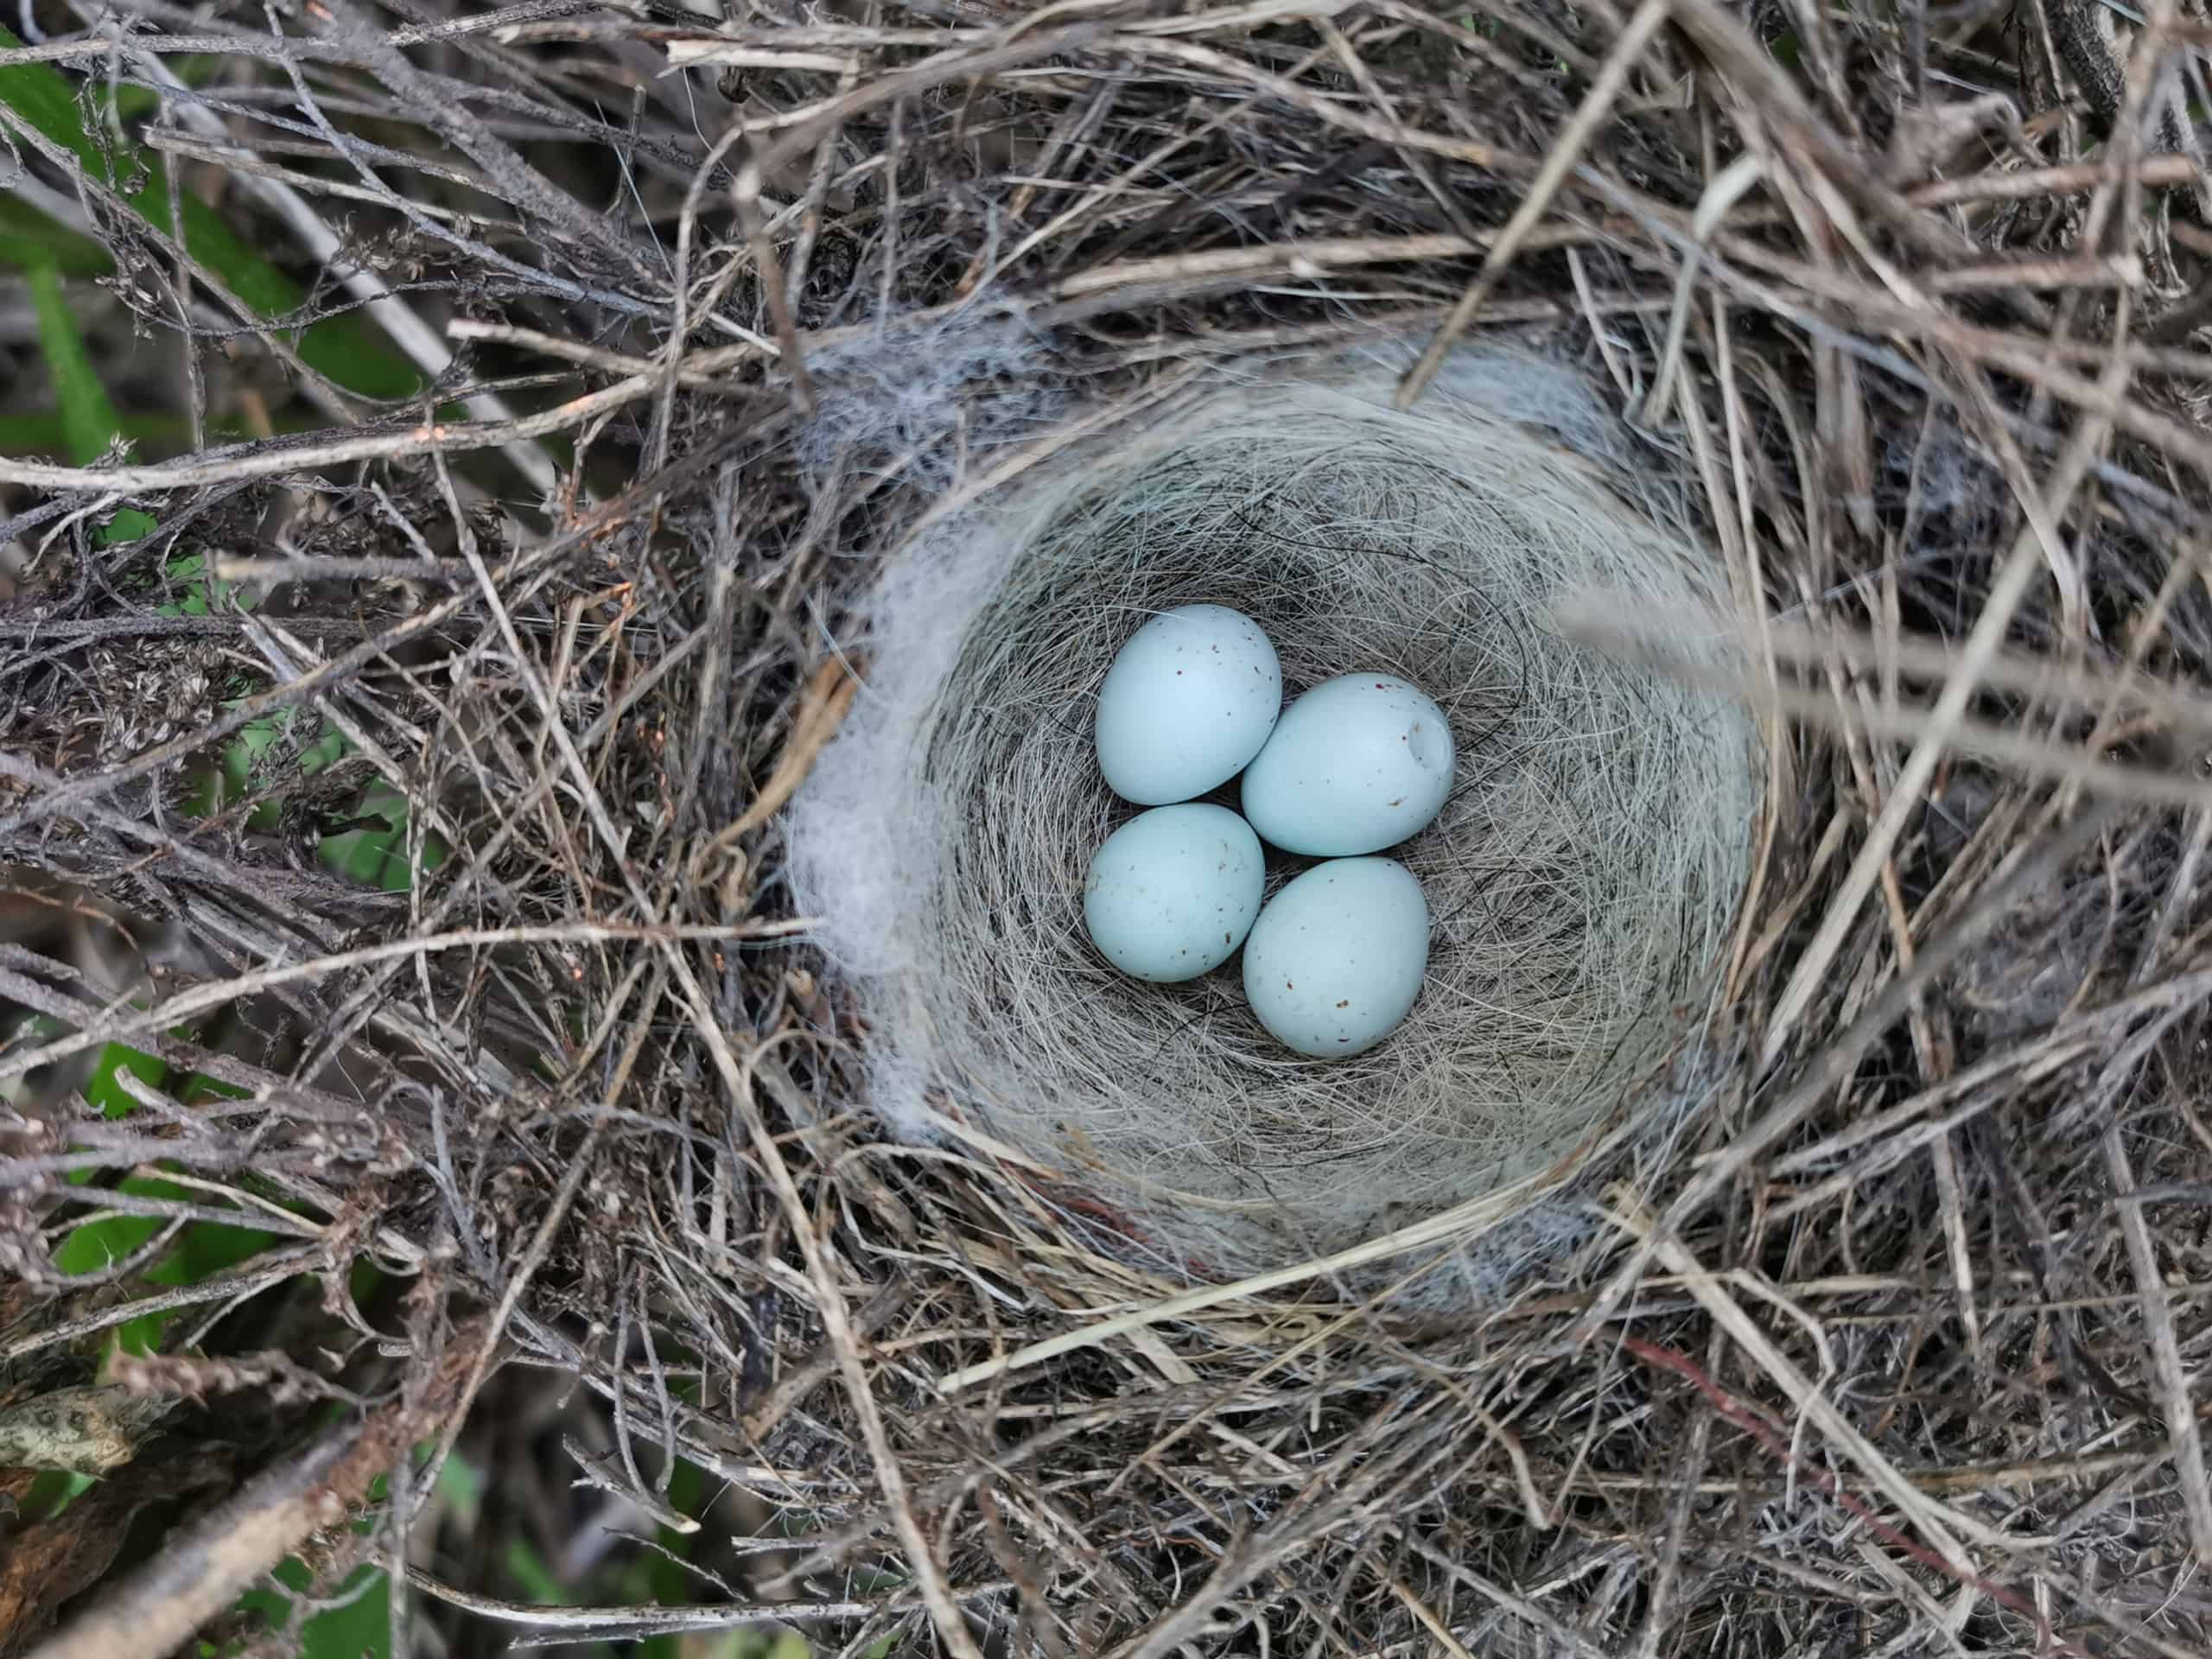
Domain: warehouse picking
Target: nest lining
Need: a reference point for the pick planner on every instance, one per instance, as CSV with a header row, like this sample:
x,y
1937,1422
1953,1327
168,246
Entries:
x,y
1582,876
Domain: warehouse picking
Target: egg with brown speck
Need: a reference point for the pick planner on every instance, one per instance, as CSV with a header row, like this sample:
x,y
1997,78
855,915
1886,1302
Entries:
x,y
1335,961
1359,763
1172,892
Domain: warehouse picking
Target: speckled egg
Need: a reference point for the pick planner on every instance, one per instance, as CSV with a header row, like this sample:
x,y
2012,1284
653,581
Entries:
x,y
1334,962
1186,704
1172,892
1357,764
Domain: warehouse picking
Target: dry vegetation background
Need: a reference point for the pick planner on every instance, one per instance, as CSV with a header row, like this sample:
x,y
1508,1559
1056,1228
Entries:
x,y
441,446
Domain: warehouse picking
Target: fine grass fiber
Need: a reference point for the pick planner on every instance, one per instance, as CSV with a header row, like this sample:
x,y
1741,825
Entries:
x,y
1582,876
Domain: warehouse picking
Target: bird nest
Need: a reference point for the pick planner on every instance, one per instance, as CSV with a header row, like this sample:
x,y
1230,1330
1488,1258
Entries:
x,y
1583,872
1776,1230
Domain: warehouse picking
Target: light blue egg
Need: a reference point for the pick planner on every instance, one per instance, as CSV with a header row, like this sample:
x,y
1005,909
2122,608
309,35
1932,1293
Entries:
x,y
1189,700
1357,764
1336,959
1174,892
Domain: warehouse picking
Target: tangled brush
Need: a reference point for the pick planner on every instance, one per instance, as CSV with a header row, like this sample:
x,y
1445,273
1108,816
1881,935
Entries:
x,y
1777,431
1582,874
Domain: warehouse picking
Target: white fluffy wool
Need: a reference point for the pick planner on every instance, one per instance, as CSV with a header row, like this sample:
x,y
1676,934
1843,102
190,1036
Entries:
x,y
1582,875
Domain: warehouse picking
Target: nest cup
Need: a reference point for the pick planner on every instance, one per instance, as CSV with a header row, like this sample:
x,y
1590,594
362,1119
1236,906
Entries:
x,y
1581,877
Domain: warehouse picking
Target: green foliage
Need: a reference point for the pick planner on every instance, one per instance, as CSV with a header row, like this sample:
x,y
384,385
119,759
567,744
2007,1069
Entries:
x,y
127,103
374,850
533,1574
751,1645
87,418
84,118
42,434
661,1577
460,1490
201,1249
379,857
29,239
361,1629
203,594
88,422
52,1491
106,1089
347,349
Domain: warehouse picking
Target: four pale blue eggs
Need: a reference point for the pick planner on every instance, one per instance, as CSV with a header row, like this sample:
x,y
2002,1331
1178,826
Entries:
x,y
1333,963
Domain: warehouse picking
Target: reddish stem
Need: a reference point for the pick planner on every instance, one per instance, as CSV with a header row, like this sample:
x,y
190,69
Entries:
x,y
1755,1423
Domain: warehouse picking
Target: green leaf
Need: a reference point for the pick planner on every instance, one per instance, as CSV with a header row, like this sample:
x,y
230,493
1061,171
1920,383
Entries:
x,y
541,1586
202,1249
88,422
105,1092
348,348
129,102
461,1489
379,858
99,1244
360,1630
376,855
25,435
87,417
54,1490
660,1575
748,1644
205,1247
29,239
190,572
